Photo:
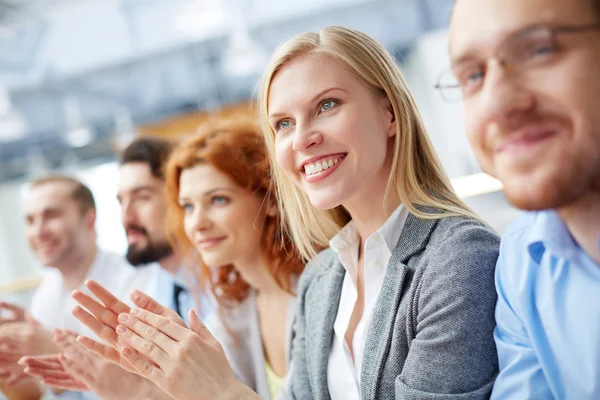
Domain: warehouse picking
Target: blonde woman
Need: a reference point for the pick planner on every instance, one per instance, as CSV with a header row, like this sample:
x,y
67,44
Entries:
x,y
401,303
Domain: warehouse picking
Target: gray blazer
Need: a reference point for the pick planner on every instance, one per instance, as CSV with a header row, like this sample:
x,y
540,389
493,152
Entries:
x,y
238,331
431,334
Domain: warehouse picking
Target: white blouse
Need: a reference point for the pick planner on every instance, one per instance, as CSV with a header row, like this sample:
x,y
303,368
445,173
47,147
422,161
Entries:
x,y
343,371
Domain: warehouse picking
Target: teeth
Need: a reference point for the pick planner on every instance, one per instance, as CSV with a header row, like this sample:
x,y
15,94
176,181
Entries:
x,y
316,167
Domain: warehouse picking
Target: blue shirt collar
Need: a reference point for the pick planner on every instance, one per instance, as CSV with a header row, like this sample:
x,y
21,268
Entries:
x,y
549,232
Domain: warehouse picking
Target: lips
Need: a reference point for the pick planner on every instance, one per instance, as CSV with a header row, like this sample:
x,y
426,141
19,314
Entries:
x,y
207,243
525,138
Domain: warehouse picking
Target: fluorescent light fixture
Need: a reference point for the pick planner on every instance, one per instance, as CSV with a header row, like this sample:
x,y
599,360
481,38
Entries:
x,y
243,56
475,185
78,133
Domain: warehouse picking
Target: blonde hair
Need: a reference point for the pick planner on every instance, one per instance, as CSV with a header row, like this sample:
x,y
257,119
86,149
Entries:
x,y
417,173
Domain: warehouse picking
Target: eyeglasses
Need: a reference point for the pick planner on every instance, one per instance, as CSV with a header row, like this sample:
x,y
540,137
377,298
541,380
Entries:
x,y
524,50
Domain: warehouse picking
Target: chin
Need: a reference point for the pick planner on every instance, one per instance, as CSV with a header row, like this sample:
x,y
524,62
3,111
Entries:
x,y
536,195
325,199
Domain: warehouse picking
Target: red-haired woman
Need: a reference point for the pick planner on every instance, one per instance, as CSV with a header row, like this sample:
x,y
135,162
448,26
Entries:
x,y
220,206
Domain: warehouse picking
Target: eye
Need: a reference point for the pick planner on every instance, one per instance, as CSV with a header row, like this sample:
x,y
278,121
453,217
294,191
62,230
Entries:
x,y
283,124
470,78
328,104
219,200
186,207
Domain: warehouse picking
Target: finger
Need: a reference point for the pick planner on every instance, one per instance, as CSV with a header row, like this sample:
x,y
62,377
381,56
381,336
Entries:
x,y
143,367
15,309
106,297
102,350
66,384
145,302
41,361
80,371
198,327
43,373
102,313
145,347
103,331
161,323
149,332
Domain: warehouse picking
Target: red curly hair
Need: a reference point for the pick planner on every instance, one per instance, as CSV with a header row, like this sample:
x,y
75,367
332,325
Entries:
x,y
236,148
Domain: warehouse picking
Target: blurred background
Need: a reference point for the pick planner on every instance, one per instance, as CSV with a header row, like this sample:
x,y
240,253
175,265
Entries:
x,y
80,78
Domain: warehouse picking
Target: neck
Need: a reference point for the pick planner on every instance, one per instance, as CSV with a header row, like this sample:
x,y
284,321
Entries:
x,y
370,209
583,220
170,263
257,275
75,270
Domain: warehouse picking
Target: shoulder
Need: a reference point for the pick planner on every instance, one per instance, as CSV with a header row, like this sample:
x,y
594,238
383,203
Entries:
x,y
460,256
514,264
457,239
321,264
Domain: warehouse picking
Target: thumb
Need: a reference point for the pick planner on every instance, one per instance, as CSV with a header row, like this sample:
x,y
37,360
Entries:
x,y
197,326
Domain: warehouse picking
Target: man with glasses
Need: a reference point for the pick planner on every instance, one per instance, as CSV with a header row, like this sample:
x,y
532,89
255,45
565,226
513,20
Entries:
x,y
528,73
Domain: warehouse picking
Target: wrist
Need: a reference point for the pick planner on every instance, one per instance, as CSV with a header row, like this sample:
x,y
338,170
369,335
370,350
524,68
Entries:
x,y
239,391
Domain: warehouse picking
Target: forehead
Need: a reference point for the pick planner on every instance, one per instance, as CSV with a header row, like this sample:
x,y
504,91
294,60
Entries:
x,y
477,25
203,178
136,174
302,78
55,195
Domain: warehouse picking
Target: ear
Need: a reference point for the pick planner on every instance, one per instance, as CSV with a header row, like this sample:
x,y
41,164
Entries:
x,y
90,218
272,209
390,117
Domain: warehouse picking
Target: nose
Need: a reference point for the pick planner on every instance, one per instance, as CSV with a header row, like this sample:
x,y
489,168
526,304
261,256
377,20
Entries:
x,y
505,99
201,220
306,137
128,215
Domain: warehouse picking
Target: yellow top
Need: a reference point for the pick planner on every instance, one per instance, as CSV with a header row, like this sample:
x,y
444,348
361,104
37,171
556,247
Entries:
x,y
274,382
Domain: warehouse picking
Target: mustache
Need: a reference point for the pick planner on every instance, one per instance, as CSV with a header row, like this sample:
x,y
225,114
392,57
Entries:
x,y
136,228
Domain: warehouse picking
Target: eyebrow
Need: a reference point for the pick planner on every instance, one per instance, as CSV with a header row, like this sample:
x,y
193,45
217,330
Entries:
x,y
318,95
211,191
137,189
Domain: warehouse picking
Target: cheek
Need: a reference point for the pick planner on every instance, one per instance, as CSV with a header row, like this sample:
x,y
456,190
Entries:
x,y
285,155
188,226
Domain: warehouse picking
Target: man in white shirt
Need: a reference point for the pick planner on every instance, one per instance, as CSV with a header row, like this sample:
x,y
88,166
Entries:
x,y
60,228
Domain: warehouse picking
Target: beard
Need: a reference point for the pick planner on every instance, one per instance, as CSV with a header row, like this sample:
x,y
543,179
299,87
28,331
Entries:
x,y
152,252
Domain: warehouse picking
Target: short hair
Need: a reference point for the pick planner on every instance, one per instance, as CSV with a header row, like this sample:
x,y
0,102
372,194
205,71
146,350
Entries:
x,y
149,150
79,192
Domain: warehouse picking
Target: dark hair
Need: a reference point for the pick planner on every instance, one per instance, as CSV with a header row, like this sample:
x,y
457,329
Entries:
x,y
149,150
79,192
596,5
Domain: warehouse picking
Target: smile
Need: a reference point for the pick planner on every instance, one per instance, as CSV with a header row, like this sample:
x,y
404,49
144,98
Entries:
x,y
322,164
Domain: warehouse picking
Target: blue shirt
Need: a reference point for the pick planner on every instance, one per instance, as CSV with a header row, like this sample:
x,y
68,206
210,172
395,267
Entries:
x,y
548,313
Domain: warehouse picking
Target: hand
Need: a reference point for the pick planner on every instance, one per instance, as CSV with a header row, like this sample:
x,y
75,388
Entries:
x,y
189,364
25,338
79,369
12,374
103,319
16,313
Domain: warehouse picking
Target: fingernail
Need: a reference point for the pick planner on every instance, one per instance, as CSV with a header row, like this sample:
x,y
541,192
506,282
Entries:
x,y
135,295
126,352
122,317
135,311
121,329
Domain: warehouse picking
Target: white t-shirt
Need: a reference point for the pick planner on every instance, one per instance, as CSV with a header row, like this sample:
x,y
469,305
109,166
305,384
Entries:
x,y
52,302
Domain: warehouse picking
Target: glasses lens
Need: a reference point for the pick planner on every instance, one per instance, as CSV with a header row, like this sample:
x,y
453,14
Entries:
x,y
449,87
